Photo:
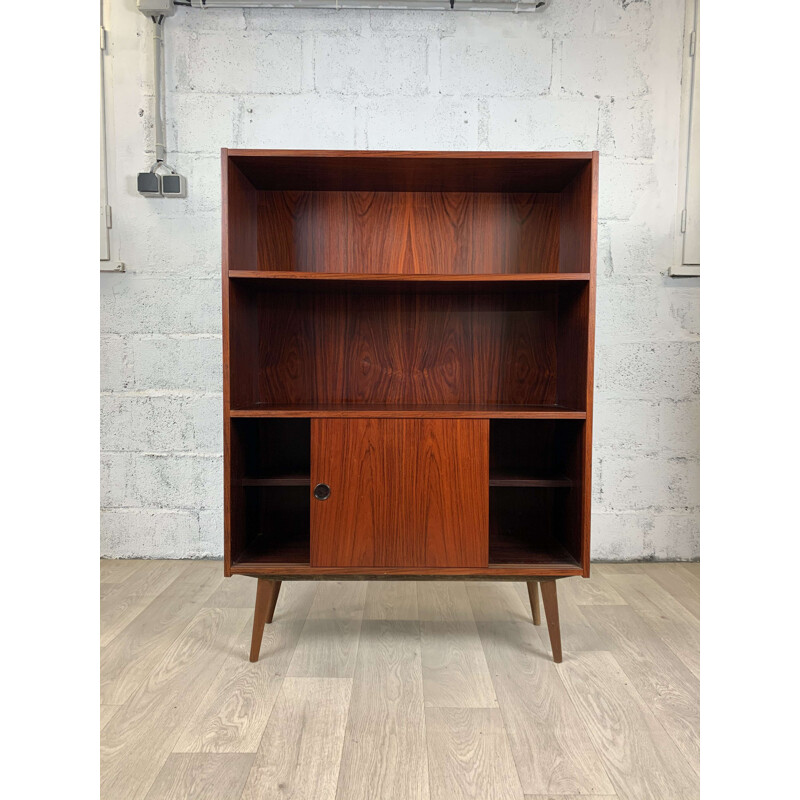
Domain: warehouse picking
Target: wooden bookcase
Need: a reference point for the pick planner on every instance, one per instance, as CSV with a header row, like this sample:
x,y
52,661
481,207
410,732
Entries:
x,y
408,347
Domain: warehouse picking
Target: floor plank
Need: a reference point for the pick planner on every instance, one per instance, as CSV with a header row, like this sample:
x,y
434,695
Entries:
x,y
384,753
106,713
118,570
595,591
551,748
129,598
641,759
679,583
577,634
137,741
668,688
300,751
498,601
329,640
454,670
677,626
209,776
232,716
129,658
237,591
469,755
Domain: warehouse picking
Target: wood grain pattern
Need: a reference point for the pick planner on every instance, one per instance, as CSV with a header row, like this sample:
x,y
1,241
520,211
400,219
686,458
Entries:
x,y
409,232
640,757
384,748
210,776
375,170
226,704
454,671
233,714
469,755
545,723
354,345
670,691
300,751
671,620
329,640
128,599
139,738
398,494
134,652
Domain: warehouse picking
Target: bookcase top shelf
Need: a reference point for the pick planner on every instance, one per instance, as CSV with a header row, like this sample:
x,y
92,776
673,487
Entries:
x,y
417,171
280,276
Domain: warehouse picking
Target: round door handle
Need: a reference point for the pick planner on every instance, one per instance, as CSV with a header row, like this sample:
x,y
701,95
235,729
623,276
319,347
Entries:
x,y
322,491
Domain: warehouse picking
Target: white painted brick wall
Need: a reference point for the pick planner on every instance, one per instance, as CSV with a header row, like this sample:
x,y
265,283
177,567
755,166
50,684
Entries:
x,y
585,74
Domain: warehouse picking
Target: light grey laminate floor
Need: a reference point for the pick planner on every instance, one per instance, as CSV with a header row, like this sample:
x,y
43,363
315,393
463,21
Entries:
x,y
406,690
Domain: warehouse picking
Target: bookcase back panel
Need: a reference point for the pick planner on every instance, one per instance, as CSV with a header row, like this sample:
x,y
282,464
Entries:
x,y
399,348
409,232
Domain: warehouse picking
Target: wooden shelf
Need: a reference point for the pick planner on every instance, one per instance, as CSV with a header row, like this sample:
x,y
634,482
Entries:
x,y
461,411
508,548
276,480
514,479
281,276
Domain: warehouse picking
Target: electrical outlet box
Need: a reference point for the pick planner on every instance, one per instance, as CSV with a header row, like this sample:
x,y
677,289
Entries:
x,y
148,184
173,186
156,8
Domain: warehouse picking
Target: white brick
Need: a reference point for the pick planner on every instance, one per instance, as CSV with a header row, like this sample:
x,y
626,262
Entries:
x,y
674,538
628,312
422,123
234,62
631,248
543,123
495,65
640,482
177,363
174,480
115,372
682,311
603,67
149,534
656,370
624,188
619,537
351,21
426,22
115,480
619,17
200,122
136,304
680,426
371,66
161,423
179,246
212,532
626,128
626,424
201,20
297,121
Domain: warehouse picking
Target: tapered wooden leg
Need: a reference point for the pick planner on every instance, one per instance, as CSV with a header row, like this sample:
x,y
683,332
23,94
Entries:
x,y
533,594
550,601
273,600
266,597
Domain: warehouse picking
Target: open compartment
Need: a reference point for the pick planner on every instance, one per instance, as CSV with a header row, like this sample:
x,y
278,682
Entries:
x,y
411,347
535,491
384,213
270,494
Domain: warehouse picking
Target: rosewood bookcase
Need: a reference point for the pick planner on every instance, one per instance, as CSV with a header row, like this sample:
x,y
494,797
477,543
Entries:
x,y
408,347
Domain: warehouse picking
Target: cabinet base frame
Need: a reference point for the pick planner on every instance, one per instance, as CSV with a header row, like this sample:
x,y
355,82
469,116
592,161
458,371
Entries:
x,y
268,588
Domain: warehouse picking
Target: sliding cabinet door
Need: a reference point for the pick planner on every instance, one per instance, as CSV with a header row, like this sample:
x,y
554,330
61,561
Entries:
x,y
399,492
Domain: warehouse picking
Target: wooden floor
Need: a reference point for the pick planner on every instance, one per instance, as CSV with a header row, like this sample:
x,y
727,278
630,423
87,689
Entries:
x,y
433,691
